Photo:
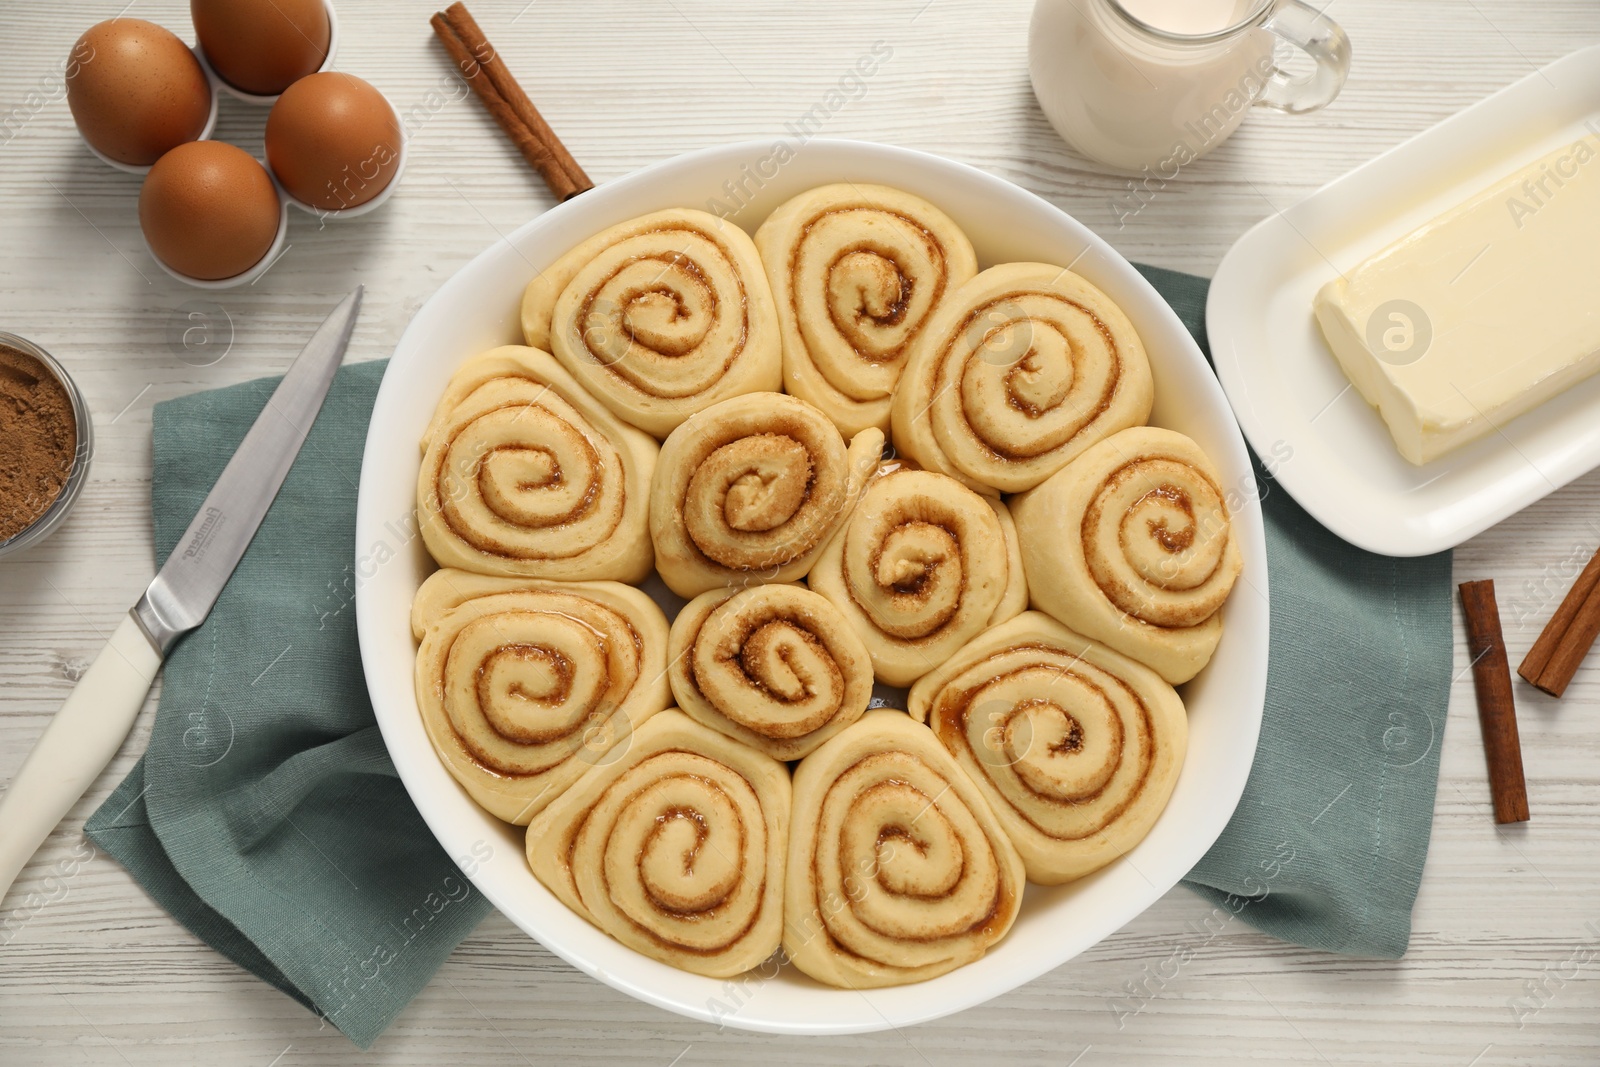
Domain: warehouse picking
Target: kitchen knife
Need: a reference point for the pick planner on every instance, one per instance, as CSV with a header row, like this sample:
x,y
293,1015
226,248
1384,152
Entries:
x,y
97,716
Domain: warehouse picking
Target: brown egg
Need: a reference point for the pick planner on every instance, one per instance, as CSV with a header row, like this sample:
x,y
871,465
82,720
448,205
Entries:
x,y
262,46
208,210
333,141
135,90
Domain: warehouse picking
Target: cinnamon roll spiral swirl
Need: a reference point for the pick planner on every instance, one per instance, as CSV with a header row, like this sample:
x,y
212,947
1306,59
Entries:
x,y
898,870
525,685
1076,747
676,849
1025,367
857,271
919,568
659,316
753,487
1132,545
774,666
524,474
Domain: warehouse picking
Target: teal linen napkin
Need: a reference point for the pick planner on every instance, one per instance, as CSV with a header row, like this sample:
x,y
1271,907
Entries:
x,y
1327,845
266,815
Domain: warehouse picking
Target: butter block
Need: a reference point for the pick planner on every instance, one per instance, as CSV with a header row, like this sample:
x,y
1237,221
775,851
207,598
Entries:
x,y
1482,314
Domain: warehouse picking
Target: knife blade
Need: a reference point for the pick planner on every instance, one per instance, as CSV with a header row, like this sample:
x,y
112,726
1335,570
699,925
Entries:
x,y
91,726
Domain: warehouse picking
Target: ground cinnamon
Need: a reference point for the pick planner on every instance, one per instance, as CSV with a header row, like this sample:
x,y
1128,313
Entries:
x,y
38,440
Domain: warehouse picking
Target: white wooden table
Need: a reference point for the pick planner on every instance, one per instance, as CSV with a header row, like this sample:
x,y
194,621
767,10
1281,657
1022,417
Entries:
x,y
98,974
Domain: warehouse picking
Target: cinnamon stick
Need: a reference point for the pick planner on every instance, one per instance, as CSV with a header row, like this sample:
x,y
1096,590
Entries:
x,y
1497,710
1554,659
480,65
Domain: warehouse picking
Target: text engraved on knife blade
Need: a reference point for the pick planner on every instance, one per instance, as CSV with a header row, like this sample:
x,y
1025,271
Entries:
x,y
214,520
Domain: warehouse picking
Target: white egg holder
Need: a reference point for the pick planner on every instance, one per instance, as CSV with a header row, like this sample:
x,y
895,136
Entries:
x,y
219,82
217,86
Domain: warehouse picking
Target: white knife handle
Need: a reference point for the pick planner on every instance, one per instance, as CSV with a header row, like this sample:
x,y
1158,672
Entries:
x,y
76,746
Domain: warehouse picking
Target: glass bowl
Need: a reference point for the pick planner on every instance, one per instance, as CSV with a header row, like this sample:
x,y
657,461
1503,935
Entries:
x,y
56,513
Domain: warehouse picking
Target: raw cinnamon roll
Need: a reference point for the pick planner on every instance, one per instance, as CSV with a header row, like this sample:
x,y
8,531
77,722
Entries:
x,y
774,666
857,271
752,488
524,474
525,685
920,567
1025,367
898,870
1076,747
1132,545
676,848
659,316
